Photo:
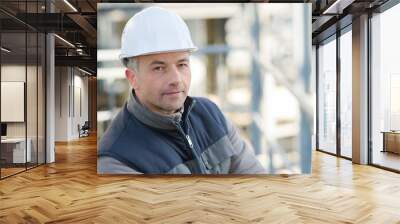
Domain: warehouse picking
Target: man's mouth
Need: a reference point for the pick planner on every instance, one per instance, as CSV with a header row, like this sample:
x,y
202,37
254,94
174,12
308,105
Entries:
x,y
172,93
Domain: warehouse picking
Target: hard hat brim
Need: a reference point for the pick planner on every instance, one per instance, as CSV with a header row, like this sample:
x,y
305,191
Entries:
x,y
122,56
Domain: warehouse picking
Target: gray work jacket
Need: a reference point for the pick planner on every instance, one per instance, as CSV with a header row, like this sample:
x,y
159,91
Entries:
x,y
229,154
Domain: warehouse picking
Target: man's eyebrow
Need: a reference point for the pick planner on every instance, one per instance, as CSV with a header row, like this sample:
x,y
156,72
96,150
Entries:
x,y
157,63
183,60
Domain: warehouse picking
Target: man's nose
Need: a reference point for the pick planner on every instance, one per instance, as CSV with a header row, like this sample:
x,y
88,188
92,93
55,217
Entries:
x,y
175,76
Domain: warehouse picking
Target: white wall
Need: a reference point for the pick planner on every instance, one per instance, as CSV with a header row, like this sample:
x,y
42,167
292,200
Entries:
x,y
61,103
33,126
69,85
14,73
80,85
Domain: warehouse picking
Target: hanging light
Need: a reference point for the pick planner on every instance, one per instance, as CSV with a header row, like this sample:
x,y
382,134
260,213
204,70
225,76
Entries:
x,y
64,40
70,5
5,50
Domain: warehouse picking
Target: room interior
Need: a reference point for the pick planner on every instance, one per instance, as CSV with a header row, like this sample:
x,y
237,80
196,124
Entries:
x,y
48,75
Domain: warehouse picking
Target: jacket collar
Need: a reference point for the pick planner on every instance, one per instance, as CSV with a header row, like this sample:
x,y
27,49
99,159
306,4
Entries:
x,y
154,119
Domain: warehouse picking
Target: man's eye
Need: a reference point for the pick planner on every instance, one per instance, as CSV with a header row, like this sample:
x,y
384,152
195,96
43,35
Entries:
x,y
183,65
158,69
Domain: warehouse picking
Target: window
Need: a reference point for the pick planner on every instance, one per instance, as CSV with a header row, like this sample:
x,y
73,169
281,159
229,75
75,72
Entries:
x,y
385,84
346,94
327,96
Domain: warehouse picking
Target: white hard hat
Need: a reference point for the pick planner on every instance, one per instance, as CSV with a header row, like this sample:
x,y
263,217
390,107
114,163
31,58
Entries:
x,y
155,30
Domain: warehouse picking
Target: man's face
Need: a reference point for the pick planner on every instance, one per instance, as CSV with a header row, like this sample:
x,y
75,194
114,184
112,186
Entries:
x,y
162,81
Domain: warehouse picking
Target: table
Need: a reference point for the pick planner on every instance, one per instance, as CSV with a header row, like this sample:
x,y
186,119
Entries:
x,y
391,141
15,148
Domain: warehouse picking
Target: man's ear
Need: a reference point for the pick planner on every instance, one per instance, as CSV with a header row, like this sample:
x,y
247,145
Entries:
x,y
131,76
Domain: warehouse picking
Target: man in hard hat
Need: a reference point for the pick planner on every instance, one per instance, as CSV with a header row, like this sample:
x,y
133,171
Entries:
x,y
161,130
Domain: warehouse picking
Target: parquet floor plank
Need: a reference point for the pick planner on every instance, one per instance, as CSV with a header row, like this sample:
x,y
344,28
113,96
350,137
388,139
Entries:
x,y
70,191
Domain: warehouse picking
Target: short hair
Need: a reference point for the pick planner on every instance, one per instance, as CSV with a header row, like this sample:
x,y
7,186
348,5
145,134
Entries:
x,y
131,63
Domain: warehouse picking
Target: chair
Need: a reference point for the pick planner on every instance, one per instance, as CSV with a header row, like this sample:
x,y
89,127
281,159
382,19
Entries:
x,y
84,130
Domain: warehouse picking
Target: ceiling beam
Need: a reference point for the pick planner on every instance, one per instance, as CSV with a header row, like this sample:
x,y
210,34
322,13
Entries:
x,y
81,61
337,6
86,26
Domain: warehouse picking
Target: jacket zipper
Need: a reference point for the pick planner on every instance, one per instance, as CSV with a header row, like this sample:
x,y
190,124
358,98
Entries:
x,y
193,152
205,163
189,141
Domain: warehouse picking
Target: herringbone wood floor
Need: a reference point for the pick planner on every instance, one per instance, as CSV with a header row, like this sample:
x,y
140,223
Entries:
x,y
70,191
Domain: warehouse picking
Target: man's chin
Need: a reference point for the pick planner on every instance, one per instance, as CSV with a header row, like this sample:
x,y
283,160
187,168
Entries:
x,y
172,107
173,104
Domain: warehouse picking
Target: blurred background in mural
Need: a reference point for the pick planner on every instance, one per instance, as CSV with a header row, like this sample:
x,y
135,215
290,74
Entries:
x,y
254,62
